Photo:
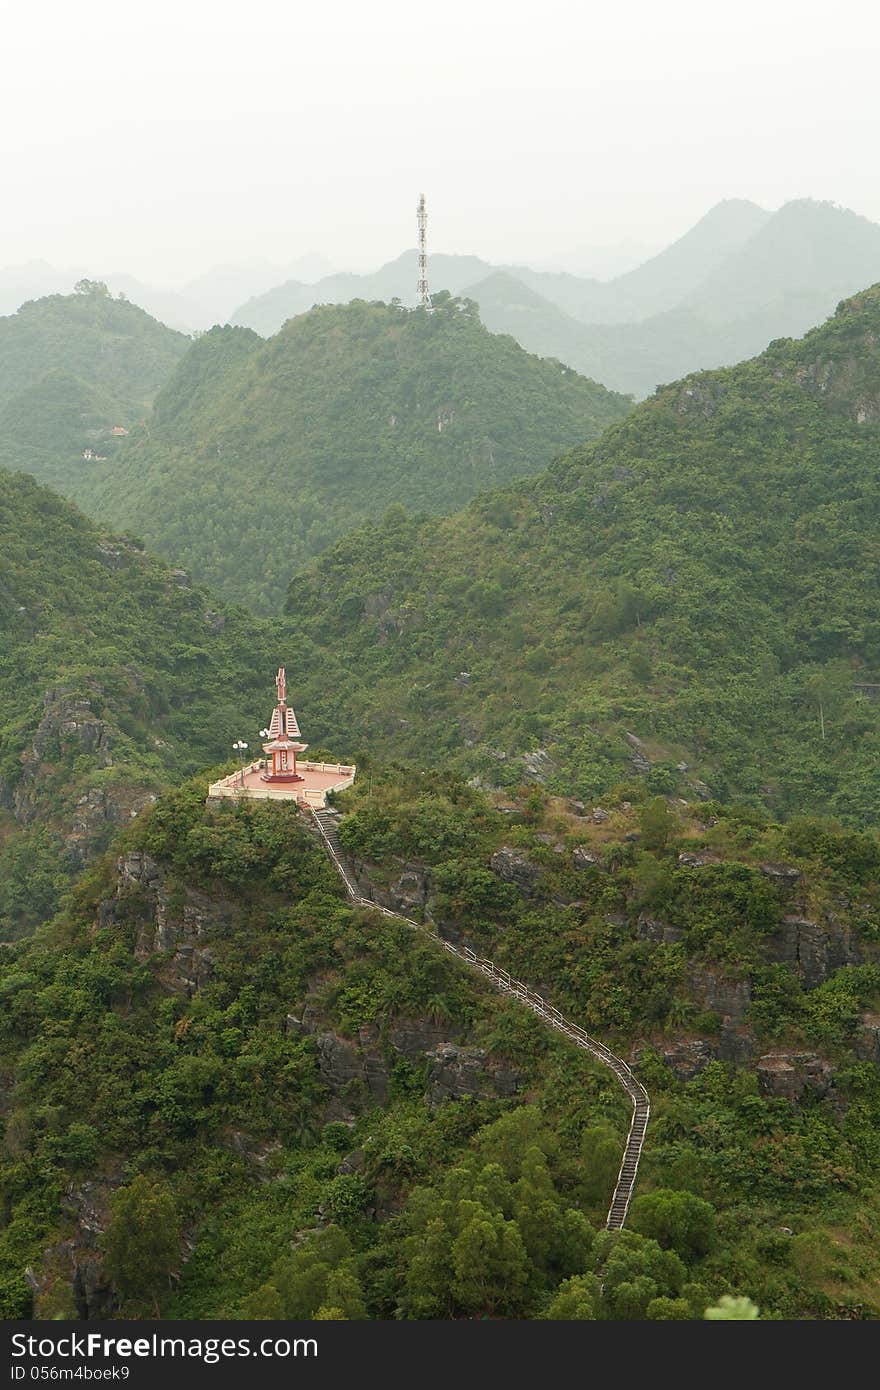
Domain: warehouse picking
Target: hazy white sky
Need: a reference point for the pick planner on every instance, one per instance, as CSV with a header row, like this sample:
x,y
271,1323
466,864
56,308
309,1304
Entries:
x,y
163,137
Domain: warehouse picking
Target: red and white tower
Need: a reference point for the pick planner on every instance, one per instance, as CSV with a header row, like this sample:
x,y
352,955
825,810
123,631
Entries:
x,y
283,735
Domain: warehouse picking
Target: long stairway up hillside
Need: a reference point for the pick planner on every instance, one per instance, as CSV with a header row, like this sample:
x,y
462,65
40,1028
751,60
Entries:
x,y
326,822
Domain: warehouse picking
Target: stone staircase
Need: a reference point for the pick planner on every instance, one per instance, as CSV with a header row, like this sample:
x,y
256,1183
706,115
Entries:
x,y
327,823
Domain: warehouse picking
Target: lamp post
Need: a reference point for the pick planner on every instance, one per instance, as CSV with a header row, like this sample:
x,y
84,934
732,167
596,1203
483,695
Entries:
x,y
240,747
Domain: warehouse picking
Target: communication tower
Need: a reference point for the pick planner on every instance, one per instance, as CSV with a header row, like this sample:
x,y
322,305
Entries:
x,y
422,294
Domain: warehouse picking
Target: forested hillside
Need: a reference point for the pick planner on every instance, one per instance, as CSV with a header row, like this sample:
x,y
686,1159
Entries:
x,y
116,677
307,1068
71,368
266,313
695,593
259,455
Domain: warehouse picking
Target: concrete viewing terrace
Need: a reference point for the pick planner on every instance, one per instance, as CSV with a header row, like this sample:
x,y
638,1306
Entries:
x,y
317,780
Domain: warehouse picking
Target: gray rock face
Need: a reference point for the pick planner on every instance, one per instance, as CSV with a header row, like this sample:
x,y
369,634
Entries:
x,y
256,1153
514,868
786,875
725,996
353,1162
77,1260
867,1043
640,761
686,1057
699,397
358,1069
70,725
652,929
584,858
415,1037
736,1044
349,1069
792,1074
538,766
468,1071
691,860
93,1296
68,718
410,894
100,811
180,931
815,950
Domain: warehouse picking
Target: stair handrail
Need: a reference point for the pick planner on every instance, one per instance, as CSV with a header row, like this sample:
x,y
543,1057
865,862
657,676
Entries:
x,y
518,989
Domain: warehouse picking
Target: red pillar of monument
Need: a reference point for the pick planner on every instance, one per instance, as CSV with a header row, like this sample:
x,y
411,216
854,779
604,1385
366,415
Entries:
x,y
283,745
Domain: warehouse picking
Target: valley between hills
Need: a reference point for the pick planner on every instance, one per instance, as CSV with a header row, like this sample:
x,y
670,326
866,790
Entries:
x,y
609,672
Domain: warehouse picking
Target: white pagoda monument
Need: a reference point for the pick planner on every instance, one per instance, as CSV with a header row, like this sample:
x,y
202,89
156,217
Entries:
x,y
282,773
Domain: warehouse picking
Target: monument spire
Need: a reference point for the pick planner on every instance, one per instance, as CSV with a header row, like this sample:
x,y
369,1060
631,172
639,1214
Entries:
x,y
283,731
280,773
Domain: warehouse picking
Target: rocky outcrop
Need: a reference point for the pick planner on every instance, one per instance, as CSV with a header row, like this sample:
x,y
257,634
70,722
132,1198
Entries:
x,y
410,893
584,858
357,1069
413,1038
468,1071
515,868
719,993
178,930
815,949
866,1044
538,766
689,859
70,1279
72,730
653,929
700,396
791,1075
729,998
640,761
257,1154
69,715
785,875
93,1295
68,721
99,812
685,1057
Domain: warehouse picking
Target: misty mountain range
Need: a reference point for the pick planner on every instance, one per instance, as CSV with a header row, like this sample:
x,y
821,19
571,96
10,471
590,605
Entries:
x,y
739,278
206,299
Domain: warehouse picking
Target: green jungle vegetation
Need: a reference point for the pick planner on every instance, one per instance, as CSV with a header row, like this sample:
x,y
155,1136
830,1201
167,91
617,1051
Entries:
x,y
259,455
395,281
234,1179
678,620
73,366
116,677
703,578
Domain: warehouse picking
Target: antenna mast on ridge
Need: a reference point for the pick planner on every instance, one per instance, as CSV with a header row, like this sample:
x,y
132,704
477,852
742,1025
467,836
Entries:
x,y
422,294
